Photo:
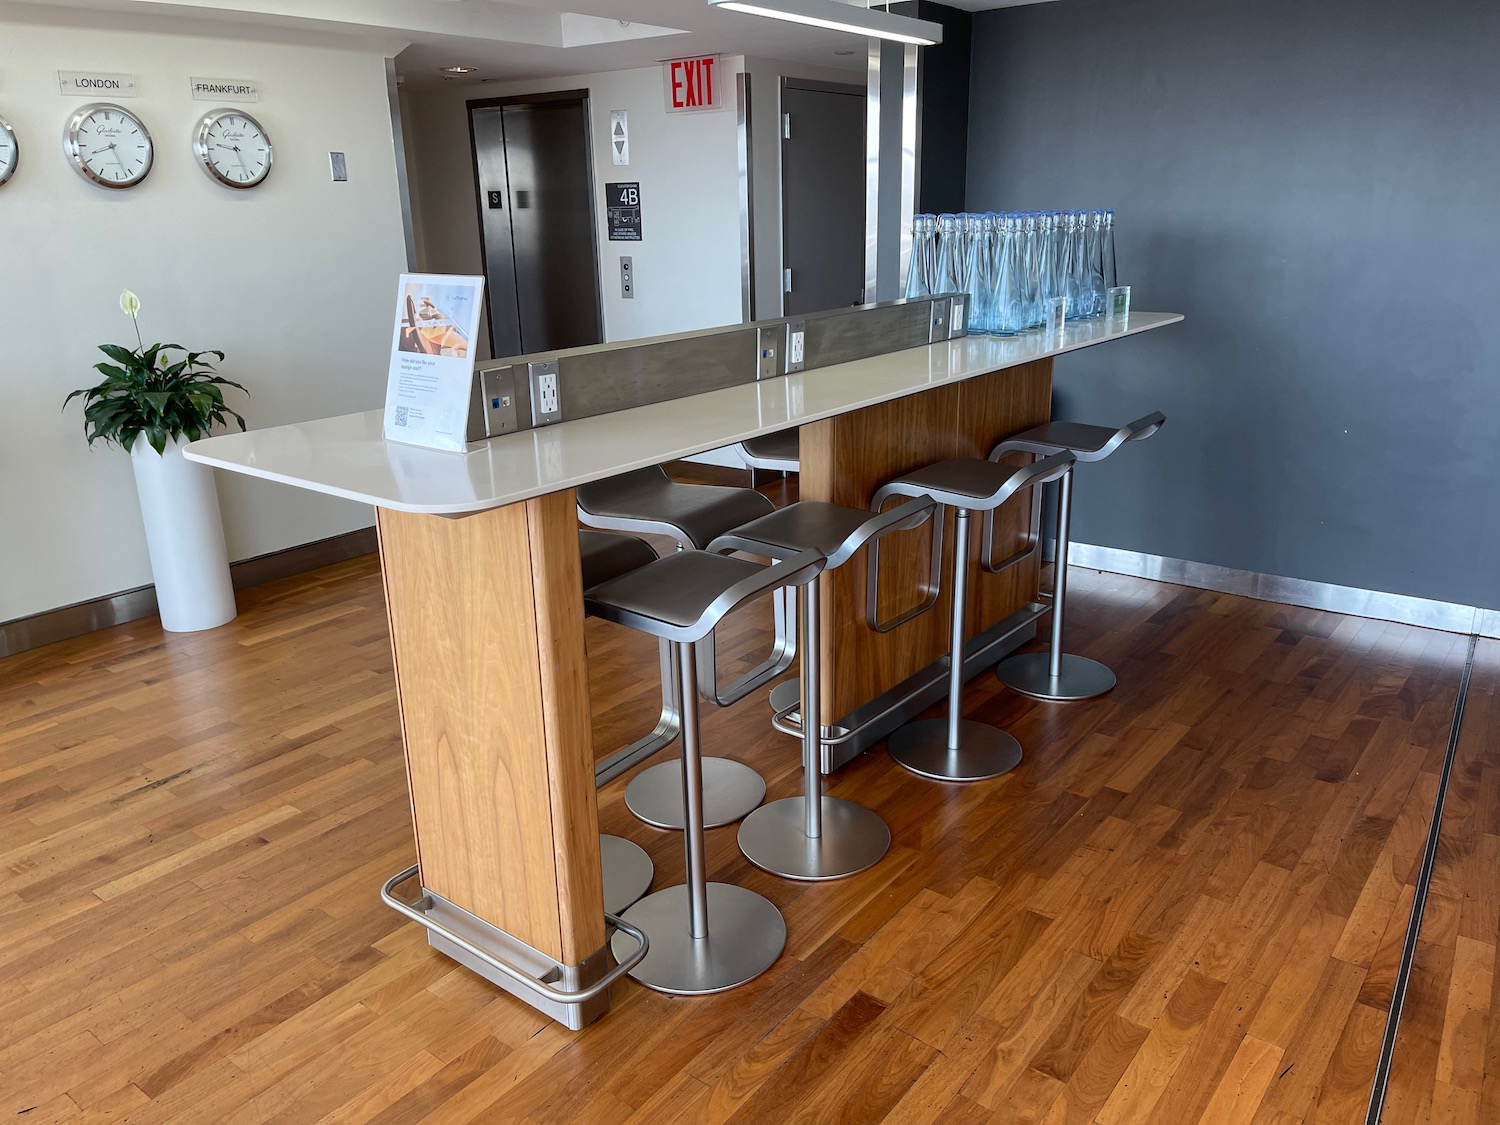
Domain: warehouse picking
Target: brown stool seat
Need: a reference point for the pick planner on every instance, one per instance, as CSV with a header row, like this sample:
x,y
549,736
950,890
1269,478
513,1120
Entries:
x,y
647,500
606,555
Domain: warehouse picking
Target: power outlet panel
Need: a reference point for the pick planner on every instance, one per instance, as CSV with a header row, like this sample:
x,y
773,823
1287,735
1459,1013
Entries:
x,y
497,385
939,329
958,316
769,348
796,345
546,397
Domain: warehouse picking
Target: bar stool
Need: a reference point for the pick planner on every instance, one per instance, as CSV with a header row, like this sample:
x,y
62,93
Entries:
x,y
780,452
731,934
955,748
648,501
627,868
1056,675
812,836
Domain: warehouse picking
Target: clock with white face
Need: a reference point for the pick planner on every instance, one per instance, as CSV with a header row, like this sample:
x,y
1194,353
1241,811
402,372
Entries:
x,y
108,145
233,148
10,152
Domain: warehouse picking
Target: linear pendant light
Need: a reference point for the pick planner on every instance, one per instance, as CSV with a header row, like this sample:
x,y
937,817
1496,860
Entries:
x,y
841,17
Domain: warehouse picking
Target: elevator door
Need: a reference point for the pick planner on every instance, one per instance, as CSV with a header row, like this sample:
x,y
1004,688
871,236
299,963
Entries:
x,y
536,207
822,195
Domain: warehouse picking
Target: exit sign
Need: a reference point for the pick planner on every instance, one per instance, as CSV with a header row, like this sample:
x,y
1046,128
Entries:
x,y
693,85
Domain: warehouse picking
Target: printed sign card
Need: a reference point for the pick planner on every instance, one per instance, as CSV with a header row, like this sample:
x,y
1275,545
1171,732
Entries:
x,y
432,360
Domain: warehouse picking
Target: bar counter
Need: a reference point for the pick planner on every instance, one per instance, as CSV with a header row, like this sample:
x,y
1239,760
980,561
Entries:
x,y
346,456
479,555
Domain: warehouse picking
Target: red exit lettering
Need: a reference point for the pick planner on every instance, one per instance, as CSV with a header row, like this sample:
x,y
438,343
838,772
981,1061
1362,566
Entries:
x,y
692,83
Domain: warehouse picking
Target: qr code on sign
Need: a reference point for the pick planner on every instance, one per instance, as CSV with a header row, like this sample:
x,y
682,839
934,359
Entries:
x,y
400,415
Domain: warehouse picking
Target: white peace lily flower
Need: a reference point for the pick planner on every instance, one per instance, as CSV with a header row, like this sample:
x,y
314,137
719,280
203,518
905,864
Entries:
x,y
130,304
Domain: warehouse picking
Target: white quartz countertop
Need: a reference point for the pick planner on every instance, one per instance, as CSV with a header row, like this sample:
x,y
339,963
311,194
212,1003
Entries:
x,y
348,457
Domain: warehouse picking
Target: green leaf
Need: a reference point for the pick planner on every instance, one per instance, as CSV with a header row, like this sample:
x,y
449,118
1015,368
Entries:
x,y
119,354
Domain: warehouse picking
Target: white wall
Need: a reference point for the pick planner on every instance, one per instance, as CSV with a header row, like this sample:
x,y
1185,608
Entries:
x,y
293,280
687,263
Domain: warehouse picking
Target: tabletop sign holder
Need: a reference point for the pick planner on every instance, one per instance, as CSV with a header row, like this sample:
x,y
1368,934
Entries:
x,y
432,360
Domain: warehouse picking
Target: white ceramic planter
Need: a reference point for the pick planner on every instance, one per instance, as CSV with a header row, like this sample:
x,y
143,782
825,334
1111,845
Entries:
x,y
185,537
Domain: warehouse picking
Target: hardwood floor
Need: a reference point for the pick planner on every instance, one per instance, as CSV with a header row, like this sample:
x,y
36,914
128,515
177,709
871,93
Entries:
x,y
1446,1067
1187,905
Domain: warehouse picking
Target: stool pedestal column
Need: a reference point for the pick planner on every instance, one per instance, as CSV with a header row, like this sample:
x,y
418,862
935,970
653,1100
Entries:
x,y
955,748
813,837
1055,675
705,937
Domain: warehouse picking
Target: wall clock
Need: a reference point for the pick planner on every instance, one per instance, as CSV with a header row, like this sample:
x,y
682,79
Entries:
x,y
10,151
233,148
108,145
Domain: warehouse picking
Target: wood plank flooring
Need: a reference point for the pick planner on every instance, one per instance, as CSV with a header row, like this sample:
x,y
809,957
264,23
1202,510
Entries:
x,y
1187,904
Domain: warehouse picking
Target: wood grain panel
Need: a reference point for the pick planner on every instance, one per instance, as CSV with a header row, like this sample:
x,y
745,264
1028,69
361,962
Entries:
x,y
506,827
846,458
552,522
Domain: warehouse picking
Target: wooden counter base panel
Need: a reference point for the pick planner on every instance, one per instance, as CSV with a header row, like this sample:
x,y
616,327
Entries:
x,y
490,673
846,458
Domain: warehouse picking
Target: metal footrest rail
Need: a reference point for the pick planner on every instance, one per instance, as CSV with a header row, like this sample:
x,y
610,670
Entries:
x,y
542,987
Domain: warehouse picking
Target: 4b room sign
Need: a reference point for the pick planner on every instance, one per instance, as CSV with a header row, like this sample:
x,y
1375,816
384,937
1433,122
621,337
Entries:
x,y
624,206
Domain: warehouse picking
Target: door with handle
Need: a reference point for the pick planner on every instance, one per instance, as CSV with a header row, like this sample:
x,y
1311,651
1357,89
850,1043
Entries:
x,y
822,195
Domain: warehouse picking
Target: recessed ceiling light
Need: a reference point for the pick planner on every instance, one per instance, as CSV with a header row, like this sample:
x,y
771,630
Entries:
x,y
458,69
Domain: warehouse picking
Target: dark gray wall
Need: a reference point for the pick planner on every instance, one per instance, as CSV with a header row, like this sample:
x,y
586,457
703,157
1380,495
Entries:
x,y
1317,186
943,90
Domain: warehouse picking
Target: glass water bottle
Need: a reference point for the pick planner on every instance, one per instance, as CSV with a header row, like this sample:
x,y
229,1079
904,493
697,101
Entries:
x,y
919,268
947,277
979,271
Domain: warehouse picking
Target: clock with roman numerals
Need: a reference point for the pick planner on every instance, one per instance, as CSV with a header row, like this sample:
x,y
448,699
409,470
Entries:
x,y
108,145
233,148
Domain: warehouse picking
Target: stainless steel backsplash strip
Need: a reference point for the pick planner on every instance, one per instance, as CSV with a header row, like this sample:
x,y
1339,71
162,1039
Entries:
x,y
604,378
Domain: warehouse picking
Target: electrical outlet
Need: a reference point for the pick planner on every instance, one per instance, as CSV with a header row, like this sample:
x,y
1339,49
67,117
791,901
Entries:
x,y
958,317
546,399
796,345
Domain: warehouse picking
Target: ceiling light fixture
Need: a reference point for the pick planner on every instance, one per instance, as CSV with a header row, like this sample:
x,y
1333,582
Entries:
x,y
840,17
458,69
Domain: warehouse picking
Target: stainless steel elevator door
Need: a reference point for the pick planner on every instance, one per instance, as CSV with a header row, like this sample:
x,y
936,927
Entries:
x,y
536,202
823,195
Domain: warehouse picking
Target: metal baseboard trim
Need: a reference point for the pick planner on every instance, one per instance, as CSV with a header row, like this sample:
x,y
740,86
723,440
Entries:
x,y
1449,617
1381,1083
50,626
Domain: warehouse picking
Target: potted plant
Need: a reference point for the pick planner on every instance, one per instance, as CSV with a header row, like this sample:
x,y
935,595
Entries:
x,y
151,405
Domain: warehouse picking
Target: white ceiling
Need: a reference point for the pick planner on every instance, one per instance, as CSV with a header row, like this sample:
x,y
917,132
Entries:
x,y
517,39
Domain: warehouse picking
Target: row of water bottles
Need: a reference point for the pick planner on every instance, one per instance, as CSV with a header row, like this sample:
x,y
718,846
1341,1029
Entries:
x,y
1014,264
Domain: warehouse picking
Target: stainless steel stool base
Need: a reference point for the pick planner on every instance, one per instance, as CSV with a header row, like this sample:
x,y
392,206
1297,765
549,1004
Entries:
x,y
774,837
786,694
1081,678
746,935
730,790
627,872
984,751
